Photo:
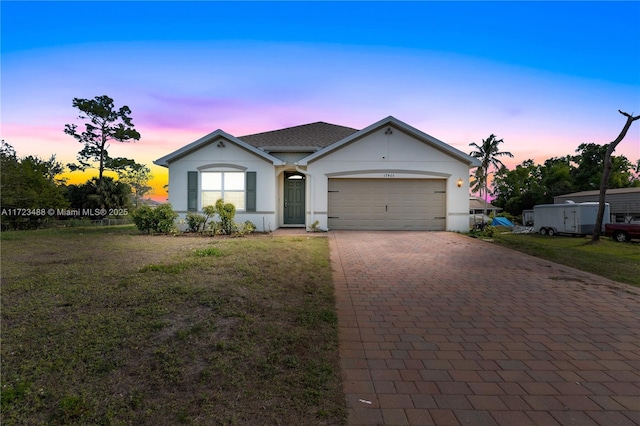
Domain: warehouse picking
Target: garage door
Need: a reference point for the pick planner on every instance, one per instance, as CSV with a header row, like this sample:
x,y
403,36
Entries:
x,y
387,204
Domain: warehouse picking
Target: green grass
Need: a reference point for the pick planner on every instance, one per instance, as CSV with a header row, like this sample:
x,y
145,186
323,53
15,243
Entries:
x,y
106,326
609,259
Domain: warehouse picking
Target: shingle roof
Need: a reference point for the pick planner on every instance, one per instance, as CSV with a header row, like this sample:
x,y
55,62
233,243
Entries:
x,y
476,203
319,134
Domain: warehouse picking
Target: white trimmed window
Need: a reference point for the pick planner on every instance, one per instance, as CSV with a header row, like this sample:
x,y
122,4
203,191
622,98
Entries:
x,y
230,186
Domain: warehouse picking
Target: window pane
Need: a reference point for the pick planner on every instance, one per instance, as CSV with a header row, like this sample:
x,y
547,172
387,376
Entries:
x,y
235,198
211,181
209,198
234,181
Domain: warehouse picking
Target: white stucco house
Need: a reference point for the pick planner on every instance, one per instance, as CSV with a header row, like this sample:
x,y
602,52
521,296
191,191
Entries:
x,y
387,176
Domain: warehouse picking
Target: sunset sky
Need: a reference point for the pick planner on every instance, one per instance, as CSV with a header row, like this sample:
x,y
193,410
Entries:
x,y
544,76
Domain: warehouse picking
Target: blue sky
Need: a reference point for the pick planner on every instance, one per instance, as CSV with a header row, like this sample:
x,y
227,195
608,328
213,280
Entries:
x,y
544,76
577,38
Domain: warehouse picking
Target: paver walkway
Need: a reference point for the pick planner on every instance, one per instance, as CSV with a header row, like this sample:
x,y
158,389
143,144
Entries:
x,y
439,328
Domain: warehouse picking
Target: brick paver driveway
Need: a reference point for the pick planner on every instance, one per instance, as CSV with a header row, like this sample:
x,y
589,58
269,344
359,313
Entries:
x,y
439,328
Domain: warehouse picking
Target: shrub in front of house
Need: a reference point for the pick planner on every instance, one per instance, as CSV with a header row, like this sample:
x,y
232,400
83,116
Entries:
x,y
225,224
195,222
160,220
245,228
143,218
226,212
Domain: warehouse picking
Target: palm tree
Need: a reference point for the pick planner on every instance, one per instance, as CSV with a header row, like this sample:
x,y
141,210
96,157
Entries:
x,y
488,154
107,194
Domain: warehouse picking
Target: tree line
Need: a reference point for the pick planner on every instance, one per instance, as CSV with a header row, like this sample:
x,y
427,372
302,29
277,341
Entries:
x,y
529,184
32,191
593,167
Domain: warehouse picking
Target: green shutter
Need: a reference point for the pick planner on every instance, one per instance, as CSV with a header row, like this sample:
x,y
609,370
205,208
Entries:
x,y
192,191
251,192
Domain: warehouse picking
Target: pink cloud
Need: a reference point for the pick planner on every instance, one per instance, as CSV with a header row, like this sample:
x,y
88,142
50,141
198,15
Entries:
x,y
40,140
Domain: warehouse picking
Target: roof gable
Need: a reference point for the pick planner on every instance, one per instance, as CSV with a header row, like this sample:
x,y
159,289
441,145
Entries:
x,y
402,126
212,137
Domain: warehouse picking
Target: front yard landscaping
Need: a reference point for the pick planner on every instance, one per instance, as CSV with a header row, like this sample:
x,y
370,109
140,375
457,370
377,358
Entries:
x,y
110,327
107,326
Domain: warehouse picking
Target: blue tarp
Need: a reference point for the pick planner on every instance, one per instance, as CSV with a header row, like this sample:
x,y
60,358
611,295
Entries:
x,y
501,221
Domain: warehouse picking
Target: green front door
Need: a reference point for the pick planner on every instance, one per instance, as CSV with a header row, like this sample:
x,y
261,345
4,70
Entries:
x,y
294,199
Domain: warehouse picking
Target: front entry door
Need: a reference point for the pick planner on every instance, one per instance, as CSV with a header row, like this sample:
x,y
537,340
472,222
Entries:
x,y
294,184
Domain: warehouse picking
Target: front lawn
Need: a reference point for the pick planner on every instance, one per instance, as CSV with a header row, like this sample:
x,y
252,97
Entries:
x,y
616,261
107,326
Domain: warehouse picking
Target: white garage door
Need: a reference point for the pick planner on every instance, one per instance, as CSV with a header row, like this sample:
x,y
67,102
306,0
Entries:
x,y
387,204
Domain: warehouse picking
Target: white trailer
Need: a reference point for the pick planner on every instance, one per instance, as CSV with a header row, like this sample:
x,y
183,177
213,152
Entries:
x,y
527,217
568,218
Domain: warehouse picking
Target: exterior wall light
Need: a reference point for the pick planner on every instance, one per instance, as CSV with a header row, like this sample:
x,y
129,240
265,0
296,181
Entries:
x,y
460,183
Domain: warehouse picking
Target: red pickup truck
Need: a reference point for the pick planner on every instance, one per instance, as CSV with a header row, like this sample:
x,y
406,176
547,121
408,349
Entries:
x,y
622,232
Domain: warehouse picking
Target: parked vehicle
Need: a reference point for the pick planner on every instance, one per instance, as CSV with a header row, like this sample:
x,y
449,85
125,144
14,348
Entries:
x,y
568,218
622,232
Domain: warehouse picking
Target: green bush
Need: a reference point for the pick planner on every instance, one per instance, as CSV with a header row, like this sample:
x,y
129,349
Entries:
x,y
214,228
161,219
484,231
226,212
164,218
143,219
195,222
224,225
245,228
209,212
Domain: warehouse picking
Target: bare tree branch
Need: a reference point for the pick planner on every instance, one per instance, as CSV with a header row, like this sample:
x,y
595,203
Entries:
x,y
607,171
626,114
